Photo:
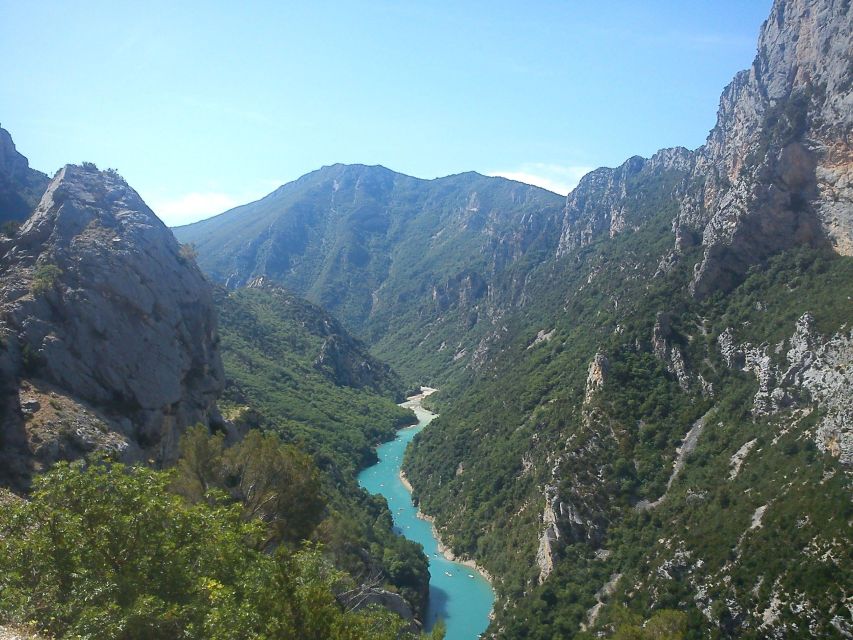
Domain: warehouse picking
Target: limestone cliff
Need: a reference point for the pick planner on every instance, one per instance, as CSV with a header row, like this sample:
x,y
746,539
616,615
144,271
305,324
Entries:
x,y
20,186
777,169
605,201
111,323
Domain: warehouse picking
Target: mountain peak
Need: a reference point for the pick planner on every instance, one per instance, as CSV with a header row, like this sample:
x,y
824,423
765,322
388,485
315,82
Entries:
x,y
99,301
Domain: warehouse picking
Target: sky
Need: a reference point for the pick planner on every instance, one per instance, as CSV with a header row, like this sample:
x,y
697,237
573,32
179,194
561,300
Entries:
x,y
203,106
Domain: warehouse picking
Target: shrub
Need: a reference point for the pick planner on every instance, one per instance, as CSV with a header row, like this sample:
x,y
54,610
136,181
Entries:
x,y
106,551
45,278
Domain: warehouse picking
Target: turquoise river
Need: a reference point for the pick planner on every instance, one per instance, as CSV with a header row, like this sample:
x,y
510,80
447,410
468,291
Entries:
x,y
457,593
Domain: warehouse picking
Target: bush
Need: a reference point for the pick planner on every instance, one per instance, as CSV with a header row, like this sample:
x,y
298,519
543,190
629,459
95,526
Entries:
x,y
188,253
45,277
105,551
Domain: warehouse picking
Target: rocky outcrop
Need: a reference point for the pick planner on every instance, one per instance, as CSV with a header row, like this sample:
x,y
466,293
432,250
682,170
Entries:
x,y
595,375
98,300
368,596
667,351
550,535
818,371
605,202
20,186
776,170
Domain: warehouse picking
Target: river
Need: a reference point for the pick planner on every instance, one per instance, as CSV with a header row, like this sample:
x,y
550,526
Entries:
x,y
457,593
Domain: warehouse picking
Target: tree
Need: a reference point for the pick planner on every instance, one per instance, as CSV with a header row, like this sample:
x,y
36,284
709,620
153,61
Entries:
x,y
106,551
274,482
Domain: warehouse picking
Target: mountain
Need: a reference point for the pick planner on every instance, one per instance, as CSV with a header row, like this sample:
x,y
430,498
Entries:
x,y
109,335
401,261
20,187
672,399
646,386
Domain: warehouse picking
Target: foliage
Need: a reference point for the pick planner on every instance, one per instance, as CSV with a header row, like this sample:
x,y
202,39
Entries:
x,y
103,550
271,347
665,624
273,482
188,253
45,277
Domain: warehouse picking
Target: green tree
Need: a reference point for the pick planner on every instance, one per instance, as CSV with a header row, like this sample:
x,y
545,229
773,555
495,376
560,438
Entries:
x,y
106,551
272,481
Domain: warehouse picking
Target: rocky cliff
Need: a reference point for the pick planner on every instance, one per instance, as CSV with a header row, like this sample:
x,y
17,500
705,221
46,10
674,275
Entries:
x,y
108,328
777,169
20,186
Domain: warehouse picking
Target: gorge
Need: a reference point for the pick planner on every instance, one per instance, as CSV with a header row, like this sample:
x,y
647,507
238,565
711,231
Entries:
x,y
458,594
644,428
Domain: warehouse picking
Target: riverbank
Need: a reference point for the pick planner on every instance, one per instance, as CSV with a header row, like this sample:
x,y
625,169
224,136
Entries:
x,y
460,592
443,548
414,403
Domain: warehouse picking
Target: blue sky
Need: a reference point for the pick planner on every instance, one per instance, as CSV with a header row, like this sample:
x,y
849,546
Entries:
x,y
203,106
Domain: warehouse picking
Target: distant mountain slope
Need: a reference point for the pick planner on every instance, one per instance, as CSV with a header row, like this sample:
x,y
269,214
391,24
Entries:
x,y
390,255
21,188
312,381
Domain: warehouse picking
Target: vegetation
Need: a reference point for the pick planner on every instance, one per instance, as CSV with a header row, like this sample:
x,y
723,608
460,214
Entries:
x,y
508,429
333,402
188,253
45,277
105,551
338,407
274,482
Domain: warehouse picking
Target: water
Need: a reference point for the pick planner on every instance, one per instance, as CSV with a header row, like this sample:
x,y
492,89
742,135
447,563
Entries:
x,y
458,594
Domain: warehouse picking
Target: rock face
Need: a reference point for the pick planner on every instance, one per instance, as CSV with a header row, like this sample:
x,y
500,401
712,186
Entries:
x,y
816,370
777,169
20,187
605,202
99,301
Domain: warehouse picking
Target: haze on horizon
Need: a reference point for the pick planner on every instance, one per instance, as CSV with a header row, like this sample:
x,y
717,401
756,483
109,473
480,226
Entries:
x,y
205,107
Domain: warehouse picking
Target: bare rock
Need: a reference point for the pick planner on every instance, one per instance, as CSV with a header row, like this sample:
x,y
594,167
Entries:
x,y
777,169
818,368
602,205
98,299
20,186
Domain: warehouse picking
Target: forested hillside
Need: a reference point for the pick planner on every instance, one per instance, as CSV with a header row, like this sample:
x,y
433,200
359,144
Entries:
x,y
412,266
292,370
